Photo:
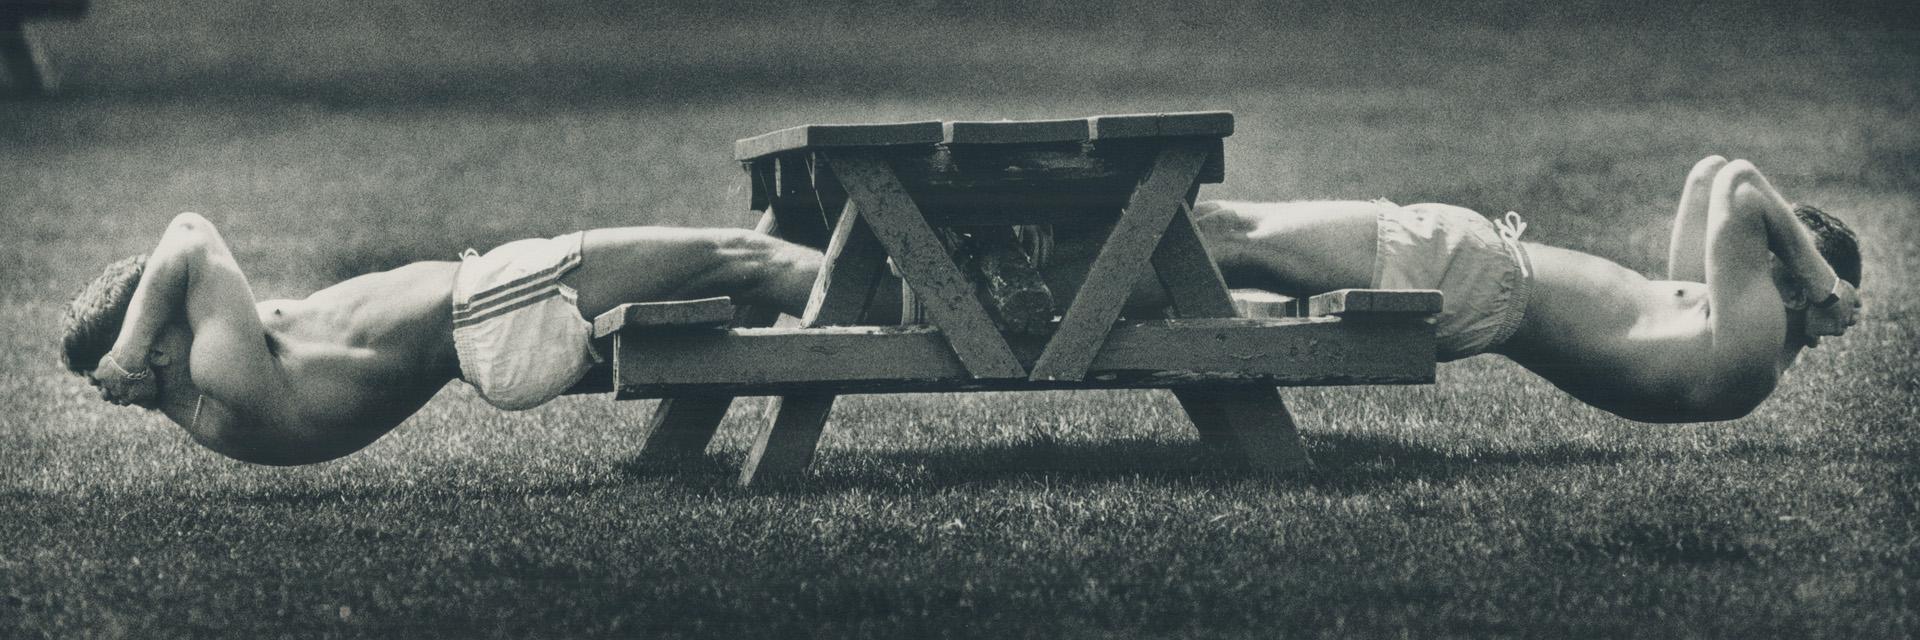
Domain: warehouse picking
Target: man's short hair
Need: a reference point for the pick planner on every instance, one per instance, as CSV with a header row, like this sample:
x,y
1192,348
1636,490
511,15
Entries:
x,y
93,318
1835,239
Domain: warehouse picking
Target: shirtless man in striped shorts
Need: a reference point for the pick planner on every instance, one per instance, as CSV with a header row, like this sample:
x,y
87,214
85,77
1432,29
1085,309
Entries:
x,y
287,382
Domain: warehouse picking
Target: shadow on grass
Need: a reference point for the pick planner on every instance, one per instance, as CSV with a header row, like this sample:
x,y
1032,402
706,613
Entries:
x,y
1343,463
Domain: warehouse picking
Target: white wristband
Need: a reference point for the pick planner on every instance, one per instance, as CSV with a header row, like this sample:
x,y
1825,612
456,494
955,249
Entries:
x,y
1833,295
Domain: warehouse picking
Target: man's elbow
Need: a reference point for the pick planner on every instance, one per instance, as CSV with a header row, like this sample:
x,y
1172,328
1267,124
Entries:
x,y
189,224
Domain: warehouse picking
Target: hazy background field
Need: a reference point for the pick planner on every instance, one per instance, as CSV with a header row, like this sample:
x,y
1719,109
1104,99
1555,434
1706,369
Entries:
x,y
328,139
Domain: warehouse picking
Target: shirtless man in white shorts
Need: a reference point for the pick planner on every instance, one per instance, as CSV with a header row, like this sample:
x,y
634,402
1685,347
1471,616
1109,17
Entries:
x,y
288,382
1751,283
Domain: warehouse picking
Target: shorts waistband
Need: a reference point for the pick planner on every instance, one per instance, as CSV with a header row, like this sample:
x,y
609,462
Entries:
x,y
1516,311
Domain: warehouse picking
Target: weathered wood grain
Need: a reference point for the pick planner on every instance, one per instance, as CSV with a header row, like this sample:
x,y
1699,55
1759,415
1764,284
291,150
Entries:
x,y
1164,353
1192,282
1263,304
680,428
1029,183
816,136
942,291
1017,131
1213,124
1355,303
1249,419
1110,280
655,316
782,450
853,266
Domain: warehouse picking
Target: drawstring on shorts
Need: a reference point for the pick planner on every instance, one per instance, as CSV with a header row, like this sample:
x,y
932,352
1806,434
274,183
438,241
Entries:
x,y
1511,226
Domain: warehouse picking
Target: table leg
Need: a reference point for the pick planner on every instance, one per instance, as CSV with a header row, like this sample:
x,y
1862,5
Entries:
x,y
18,56
682,427
1252,420
854,266
784,448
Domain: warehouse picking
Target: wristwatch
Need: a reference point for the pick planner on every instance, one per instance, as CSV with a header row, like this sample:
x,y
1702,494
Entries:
x,y
1833,296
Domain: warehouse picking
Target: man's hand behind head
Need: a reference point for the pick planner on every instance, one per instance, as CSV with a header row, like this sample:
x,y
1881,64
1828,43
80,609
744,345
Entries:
x,y
123,387
1834,315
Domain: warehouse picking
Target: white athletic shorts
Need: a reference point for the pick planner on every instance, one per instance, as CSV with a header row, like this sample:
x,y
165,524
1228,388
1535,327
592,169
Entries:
x,y
1478,265
519,335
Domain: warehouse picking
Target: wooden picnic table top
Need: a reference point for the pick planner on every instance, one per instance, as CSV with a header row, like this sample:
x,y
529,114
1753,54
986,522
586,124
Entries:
x,y
1095,129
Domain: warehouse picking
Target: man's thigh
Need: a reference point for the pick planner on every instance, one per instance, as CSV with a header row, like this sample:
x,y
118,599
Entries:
x,y
650,264
1296,248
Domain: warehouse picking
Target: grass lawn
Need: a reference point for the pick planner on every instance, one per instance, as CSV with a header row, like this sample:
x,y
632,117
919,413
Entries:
x,y
327,141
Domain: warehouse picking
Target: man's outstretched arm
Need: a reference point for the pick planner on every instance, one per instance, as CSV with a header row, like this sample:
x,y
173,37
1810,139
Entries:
x,y
191,277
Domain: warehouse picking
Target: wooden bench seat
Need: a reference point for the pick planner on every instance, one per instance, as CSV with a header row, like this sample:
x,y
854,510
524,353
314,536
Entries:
x,y
684,349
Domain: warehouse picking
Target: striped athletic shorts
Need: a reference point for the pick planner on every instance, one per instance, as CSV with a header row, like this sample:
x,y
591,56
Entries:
x,y
519,335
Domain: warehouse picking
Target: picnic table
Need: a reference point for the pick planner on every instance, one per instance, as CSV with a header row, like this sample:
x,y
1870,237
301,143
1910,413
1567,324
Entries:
x,y
931,283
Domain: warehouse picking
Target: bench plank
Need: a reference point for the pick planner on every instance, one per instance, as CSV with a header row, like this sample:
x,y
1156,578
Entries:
x,y
1156,354
1251,303
1018,131
1210,124
1350,303
814,136
654,316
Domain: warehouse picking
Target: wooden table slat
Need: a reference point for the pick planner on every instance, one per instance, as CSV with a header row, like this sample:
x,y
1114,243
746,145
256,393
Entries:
x,y
816,136
946,295
1110,280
